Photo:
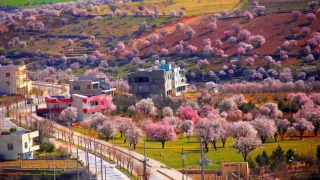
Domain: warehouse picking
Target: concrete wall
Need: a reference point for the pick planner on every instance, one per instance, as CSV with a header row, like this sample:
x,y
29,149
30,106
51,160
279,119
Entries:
x,y
19,149
232,168
78,103
4,88
158,82
84,90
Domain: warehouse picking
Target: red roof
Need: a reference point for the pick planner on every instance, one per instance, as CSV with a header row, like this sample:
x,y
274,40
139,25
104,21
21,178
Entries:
x,y
58,100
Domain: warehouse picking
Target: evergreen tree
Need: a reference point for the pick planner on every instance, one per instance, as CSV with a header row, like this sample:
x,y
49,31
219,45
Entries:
x,y
263,160
251,163
289,155
277,157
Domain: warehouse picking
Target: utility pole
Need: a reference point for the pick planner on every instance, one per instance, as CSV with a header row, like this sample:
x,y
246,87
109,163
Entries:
x,y
86,154
54,168
239,172
95,156
202,163
101,158
2,123
183,158
77,163
186,167
144,162
105,172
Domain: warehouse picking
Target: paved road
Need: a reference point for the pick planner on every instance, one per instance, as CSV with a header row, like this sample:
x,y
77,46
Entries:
x,y
157,169
8,124
110,172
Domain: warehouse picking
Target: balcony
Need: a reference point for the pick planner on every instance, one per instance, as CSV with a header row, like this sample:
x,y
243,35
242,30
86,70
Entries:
x,y
93,108
21,84
48,110
34,148
21,76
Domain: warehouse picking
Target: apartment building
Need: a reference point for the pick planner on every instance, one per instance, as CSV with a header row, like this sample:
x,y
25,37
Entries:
x,y
166,80
88,86
17,145
14,80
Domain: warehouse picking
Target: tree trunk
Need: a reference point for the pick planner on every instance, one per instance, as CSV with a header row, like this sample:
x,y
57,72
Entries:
x,y
263,139
134,146
162,142
206,146
301,134
214,145
281,136
244,157
188,140
275,136
223,142
315,131
125,140
107,138
121,134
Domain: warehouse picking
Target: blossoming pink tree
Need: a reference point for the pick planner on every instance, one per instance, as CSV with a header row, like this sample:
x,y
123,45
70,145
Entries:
x,y
146,106
265,128
246,144
188,113
69,115
107,129
160,132
270,110
133,134
282,126
167,111
302,125
95,120
186,127
241,129
209,131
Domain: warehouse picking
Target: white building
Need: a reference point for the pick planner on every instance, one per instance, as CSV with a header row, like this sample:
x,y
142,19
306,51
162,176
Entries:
x,y
17,145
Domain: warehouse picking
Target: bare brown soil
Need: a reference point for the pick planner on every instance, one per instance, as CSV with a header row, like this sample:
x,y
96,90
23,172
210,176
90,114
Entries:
x,y
276,28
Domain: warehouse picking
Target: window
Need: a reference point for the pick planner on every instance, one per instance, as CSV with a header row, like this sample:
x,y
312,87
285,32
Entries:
x,y
141,79
25,145
7,74
10,147
88,86
76,87
56,106
8,83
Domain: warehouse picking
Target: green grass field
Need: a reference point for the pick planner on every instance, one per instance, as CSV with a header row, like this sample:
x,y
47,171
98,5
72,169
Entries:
x,y
34,3
193,7
171,154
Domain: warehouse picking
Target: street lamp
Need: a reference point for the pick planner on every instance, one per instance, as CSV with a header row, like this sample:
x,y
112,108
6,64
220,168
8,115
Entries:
x,y
54,168
184,158
144,162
